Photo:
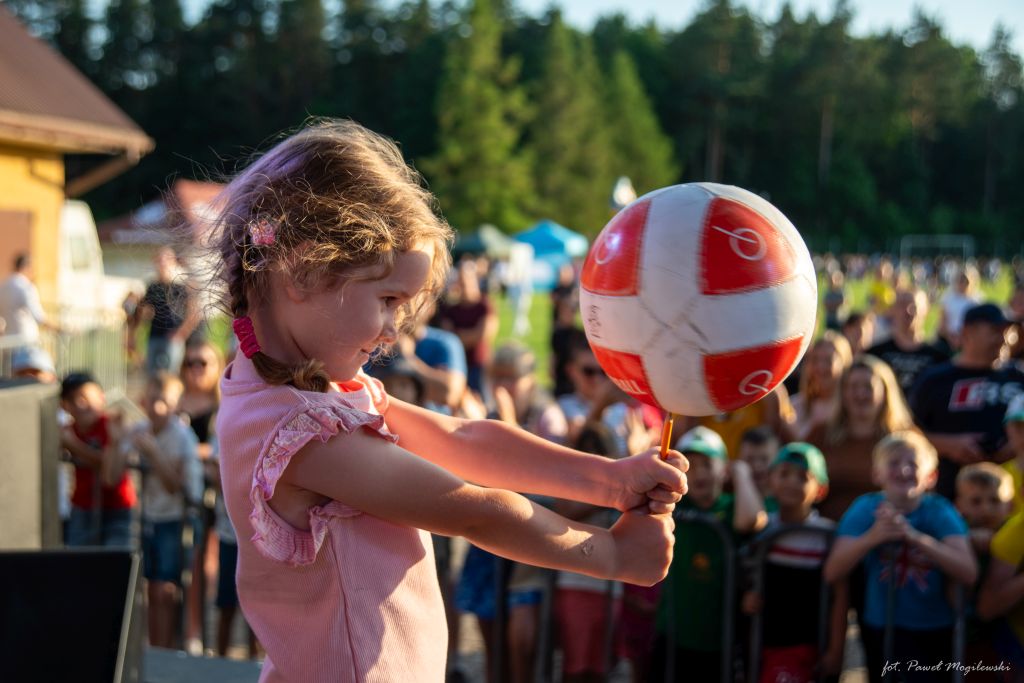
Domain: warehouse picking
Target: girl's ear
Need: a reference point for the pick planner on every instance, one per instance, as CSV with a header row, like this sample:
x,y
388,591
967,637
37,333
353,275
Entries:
x,y
294,292
931,479
282,281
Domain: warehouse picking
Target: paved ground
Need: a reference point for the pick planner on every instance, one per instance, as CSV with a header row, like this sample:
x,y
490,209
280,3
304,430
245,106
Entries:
x,y
471,659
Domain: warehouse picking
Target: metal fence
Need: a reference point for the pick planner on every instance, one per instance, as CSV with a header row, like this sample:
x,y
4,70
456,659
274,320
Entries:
x,y
87,339
763,546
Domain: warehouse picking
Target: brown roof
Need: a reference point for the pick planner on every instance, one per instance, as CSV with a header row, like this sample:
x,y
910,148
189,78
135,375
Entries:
x,y
187,202
47,102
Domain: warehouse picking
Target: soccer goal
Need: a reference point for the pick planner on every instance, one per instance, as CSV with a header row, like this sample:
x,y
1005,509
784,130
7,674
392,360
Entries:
x,y
930,246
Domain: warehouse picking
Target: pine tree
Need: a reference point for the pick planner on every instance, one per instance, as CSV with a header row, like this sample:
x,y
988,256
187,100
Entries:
x,y
302,58
74,36
569,138
121,67
641,150
417,78
478,173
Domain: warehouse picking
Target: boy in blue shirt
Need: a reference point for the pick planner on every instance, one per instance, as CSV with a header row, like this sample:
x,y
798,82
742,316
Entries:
x,y
917,538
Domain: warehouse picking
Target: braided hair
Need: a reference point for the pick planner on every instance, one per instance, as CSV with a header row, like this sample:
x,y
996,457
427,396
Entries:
x,y
328,204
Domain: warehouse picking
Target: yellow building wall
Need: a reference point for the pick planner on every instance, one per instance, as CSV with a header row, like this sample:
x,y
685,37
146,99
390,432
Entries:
x,y
33,180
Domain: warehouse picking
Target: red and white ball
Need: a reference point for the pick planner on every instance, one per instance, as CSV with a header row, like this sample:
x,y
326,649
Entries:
x,y
698,298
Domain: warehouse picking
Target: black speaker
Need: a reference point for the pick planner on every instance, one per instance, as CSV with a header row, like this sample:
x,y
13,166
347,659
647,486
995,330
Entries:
x,y
70,615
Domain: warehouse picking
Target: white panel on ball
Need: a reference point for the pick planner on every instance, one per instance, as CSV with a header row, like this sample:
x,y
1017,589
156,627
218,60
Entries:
x,y
731,322
668,264
619,323
675,369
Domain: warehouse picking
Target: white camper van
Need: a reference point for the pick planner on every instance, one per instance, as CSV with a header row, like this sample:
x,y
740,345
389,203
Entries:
x,y
84,291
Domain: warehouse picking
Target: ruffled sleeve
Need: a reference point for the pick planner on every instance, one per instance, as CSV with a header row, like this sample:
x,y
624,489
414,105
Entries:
x,y
274,538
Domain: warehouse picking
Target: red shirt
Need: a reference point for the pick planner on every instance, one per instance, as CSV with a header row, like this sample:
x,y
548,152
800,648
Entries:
x,y
118,497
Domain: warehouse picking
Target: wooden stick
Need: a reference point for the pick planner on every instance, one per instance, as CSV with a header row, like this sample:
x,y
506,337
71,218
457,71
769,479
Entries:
x,y
666,434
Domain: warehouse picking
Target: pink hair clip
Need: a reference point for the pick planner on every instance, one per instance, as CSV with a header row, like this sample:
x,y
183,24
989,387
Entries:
x,y
246,336
263,231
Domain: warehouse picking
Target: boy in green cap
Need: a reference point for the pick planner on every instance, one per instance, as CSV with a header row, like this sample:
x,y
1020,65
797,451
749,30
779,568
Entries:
x,y
693,593
797,479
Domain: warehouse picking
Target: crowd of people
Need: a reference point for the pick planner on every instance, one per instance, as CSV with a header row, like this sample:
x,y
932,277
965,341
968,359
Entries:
x,y
896,458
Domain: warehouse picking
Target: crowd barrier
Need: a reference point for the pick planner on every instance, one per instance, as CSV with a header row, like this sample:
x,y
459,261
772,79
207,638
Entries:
x,y
684,518
732,665
88,339
958,645
762,545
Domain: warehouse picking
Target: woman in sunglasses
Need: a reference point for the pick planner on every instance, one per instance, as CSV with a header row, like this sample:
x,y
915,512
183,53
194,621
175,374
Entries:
x,y
200,375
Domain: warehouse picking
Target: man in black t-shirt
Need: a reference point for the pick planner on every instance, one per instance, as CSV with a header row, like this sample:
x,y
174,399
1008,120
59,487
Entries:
x,y
905,351
169,305
960,404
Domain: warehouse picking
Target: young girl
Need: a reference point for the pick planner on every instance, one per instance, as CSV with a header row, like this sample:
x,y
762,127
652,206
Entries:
x,y
329,244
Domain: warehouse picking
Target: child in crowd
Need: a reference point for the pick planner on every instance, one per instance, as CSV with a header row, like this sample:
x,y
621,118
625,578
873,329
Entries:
x,y
984,498
226,599
911,542
521,401
329,244
1002,590
1002,596
586,608
859,330
1014,425
790,604
758,447
984,494
101,506
692,596
172,476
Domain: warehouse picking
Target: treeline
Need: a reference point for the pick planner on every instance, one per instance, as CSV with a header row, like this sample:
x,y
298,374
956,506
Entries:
x,y
512,117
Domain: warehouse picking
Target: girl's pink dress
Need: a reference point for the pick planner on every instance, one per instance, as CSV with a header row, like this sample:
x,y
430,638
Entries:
x,y
355,598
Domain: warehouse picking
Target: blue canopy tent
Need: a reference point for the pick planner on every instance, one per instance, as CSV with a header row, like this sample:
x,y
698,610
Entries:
x,y
553,246
487,240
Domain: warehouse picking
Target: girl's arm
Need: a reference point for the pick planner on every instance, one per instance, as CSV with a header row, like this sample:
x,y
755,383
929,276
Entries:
x,y
491,453
1001,591
952,554
384,480
749,515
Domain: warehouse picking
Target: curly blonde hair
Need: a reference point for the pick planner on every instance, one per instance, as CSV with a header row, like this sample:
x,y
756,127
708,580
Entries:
x,y
341,203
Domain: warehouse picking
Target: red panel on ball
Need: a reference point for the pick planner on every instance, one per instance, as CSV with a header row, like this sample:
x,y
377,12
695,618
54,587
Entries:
x,y
612,265
626,370
742,250
739,378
